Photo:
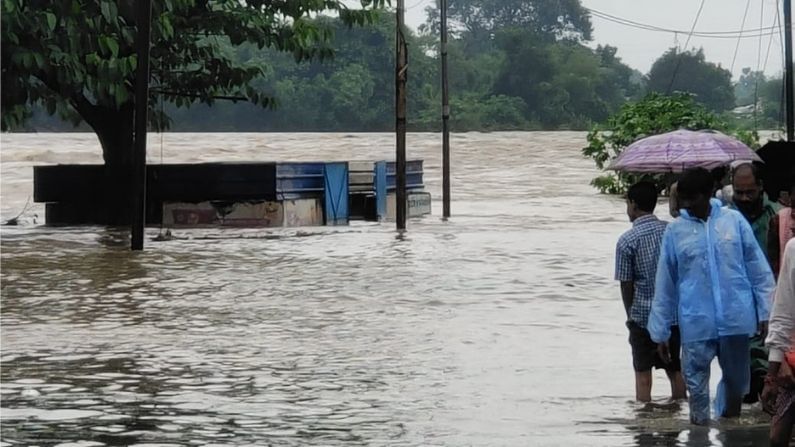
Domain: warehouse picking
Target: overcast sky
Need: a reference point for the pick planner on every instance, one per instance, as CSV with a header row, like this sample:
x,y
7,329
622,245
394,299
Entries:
x,y
639,48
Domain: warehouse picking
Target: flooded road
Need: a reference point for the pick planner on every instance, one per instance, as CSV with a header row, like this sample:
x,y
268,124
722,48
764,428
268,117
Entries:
x,y
500,327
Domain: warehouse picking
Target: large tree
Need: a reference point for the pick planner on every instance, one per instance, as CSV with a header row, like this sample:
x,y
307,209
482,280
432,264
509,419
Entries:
x,y
78,59
762,97
563,83
690,72
746,90
553,19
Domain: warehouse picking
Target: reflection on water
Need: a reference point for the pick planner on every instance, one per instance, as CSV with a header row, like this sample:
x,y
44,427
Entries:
x,y
500,327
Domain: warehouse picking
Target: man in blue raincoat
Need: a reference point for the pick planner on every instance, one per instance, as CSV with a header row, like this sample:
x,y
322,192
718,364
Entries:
x,y
715,278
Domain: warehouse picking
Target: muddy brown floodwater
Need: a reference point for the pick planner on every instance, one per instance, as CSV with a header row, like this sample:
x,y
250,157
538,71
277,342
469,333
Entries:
x,y
501,327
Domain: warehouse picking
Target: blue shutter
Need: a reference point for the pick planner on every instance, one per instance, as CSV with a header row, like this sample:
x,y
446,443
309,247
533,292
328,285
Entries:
x,y
336,204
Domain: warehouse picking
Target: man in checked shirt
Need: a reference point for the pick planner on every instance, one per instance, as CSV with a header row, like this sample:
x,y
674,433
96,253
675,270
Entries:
x,y
637,254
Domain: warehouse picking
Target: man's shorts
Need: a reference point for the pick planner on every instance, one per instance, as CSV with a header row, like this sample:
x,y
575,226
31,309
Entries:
x,y
644,349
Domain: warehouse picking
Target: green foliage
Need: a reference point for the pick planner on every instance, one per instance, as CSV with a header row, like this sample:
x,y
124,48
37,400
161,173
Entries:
x,y
354,91
759,101
654,114
514,65
79,55
747,87
771,103
690,72
563,83
487,113
501,88
554,19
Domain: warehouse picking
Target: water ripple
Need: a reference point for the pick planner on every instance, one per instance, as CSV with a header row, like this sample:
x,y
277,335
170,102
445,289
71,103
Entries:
x,y
501,326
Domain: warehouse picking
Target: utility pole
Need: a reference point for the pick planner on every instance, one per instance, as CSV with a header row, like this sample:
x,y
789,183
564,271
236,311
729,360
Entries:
x,y
144,19
788,70
445,117
401,60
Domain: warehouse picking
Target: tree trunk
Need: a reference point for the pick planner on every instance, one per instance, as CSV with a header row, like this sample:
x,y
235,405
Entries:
x,y
114,128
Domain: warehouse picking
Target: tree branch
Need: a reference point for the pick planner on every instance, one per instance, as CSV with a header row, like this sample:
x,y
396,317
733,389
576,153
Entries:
x,y
83,106
89,112
198,96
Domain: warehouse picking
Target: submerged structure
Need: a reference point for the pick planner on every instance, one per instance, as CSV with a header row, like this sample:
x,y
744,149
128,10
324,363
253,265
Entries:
x,y
255,194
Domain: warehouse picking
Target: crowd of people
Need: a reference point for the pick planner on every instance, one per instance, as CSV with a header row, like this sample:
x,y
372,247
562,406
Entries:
x,y
716,282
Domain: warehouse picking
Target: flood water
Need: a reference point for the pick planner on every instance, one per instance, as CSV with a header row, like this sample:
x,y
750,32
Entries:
x,y
500,327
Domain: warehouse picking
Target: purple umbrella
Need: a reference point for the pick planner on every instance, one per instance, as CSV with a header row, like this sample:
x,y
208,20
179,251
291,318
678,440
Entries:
x,y
682,149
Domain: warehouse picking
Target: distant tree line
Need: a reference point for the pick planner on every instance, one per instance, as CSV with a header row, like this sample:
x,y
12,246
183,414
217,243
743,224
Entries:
x,y
514,65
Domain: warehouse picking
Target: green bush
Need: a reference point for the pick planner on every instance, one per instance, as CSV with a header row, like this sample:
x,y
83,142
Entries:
x,y
654,114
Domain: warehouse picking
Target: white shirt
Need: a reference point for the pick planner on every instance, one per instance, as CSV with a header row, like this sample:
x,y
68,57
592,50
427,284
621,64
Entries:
x,y
782,319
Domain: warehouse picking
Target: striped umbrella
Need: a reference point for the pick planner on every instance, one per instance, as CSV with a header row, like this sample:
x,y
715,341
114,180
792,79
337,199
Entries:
x,y
682,149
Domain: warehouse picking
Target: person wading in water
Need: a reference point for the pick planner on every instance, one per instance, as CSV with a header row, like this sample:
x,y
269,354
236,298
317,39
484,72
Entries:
x,y
637,254
715,279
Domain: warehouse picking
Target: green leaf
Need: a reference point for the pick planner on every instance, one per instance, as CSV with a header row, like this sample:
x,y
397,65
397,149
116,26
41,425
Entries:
x,y
102,70
113,46
11,37
105,7
127,36
39,60
103,47
121,95
51,20
168,30
92,59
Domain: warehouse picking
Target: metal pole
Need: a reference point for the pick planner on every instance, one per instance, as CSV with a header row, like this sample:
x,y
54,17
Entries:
x,y
788,69
445,118
400,115
144,19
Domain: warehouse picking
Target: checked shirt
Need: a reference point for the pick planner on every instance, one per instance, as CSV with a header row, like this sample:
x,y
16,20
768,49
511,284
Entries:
x,y
637,253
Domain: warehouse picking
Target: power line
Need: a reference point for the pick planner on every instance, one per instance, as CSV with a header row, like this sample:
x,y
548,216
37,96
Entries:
x,y
696,34
710,35
770,42
759,45
743,34
687,42
419,3
742,27
659,28
781,37
695,22
758,63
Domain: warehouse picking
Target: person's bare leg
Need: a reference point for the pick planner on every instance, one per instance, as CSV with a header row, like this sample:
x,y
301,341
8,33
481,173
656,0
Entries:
x,y
643,386
781,432
678,389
